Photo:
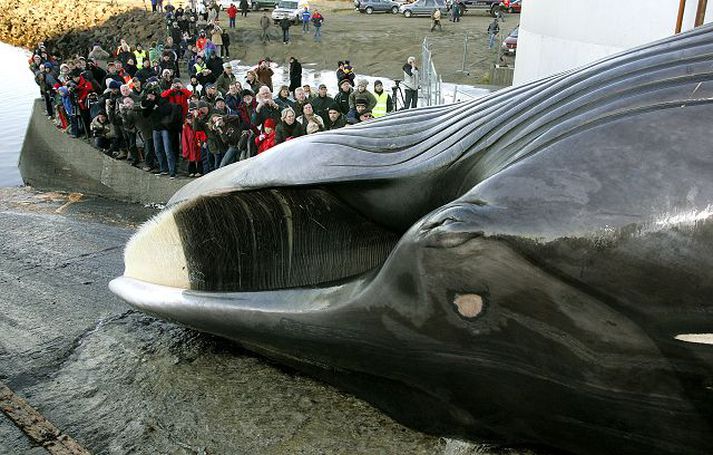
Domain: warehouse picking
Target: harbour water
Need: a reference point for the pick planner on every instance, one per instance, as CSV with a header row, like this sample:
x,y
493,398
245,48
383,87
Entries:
x,y
16,95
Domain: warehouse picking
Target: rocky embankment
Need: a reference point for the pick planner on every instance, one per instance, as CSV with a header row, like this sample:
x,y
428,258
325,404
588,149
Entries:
x,y
72,26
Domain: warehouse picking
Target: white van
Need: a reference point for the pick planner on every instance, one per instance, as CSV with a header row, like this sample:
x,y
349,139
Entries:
x,y
291,9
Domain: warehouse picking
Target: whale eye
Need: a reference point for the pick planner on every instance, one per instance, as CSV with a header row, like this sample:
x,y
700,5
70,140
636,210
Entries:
x,y
258,240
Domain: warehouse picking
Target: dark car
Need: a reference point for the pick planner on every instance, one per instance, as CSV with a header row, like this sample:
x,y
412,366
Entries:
x,y
509,45
377,6
422,7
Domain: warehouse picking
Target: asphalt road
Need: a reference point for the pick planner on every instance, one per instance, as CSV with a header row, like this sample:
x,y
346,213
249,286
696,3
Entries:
x,y
119,382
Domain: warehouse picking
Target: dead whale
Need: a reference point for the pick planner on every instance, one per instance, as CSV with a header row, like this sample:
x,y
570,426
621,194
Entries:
x,y
532,267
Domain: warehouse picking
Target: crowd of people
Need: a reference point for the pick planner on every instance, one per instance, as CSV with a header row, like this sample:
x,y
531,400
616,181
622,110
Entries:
x,y
133,103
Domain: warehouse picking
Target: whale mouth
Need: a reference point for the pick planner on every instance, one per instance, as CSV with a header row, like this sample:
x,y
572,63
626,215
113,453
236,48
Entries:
x,y
260,240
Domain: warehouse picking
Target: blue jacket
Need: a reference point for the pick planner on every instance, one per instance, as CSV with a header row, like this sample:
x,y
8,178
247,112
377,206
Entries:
x,y
305,16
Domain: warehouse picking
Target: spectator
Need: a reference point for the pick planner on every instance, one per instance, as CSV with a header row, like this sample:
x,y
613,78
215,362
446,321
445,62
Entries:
x,y
266,140
365,116
99,55
195,87
362,92
253,81
265,27
237,137
345,71
384,102
342,98
493,30
300,99
305,15
436,18
354,115
226,44
285,24
264,73
233,99
288,128
217,37
335,119
322,101
101,131
283,98
247,109
232,12
225,79
295,73
216,146
164,117
266,107
308,117
191,146
317,21
411,83
244,7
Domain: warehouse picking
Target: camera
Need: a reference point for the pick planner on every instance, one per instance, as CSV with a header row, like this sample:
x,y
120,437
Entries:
x,y
397,82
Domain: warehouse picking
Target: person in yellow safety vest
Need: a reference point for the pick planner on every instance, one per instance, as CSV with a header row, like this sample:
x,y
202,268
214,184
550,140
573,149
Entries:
x,y
384,103
200,65
141,55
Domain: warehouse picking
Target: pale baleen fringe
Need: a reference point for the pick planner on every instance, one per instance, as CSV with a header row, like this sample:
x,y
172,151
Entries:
x,y
155,253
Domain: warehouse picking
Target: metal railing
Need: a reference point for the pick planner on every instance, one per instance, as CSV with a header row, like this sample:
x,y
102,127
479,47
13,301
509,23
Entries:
x,y
430,79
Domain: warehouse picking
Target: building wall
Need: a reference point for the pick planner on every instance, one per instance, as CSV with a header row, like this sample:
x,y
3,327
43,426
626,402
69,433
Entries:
x,y
558,35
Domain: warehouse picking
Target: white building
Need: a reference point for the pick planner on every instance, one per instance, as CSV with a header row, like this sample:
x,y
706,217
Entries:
x,y
558,35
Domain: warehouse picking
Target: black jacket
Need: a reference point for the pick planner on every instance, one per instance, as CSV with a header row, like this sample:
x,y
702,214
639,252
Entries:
x,y
285,131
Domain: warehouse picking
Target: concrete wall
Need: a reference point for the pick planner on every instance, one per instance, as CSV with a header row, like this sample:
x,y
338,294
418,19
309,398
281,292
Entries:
x,y
558,35
52,160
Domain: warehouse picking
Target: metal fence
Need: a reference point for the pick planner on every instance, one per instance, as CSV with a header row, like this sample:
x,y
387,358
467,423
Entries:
x,y
430,80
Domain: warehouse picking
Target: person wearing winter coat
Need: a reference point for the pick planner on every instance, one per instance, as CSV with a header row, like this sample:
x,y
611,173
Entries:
x,y
191,141
335,119
216,145
165,117
225,79
317,21
308,117
266,107
493,30
265,27
266,140
305,15
362,92
283,100
217,37
295,74
232,12
264,73
244,7
101,131
288,128
285,24
253,81
411,83
342,98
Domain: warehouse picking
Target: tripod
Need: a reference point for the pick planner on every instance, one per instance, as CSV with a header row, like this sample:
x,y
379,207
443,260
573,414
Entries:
x,y
397,96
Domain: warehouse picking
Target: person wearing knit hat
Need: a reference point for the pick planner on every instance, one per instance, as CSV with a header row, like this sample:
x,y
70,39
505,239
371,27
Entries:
x,y
360,106
342,98
113,84
365,116
362,92
334,118
266,140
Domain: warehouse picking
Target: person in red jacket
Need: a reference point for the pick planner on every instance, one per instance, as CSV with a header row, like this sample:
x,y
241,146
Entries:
x,y
191,146
178,94
266,140
232,12
82,88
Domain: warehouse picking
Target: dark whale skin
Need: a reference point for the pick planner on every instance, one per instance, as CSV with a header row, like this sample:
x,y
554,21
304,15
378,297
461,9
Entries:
x,y
554,241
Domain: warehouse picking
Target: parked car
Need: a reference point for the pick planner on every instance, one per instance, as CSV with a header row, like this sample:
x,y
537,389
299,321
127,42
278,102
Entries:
x,y
257,5
514,6
422,7
509,45
377,6
491,6
290,9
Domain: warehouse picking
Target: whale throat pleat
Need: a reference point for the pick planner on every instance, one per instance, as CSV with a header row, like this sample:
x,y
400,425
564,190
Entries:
x,y
275,239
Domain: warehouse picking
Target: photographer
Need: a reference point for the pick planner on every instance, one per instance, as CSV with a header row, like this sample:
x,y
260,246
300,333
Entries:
x,y
411,82
266,107
101,132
